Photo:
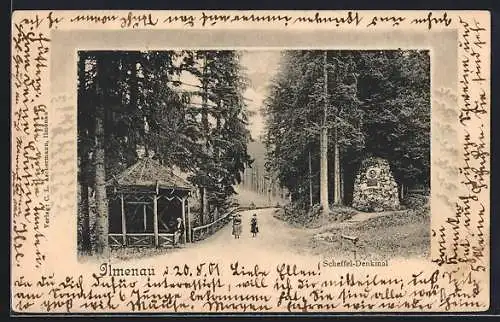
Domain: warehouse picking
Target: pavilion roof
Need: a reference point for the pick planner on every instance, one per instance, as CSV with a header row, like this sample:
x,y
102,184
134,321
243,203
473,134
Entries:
x,y
148,173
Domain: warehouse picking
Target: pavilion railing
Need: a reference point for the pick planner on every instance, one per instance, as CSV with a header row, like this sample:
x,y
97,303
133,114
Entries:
x,y
202,232
140,240
167,239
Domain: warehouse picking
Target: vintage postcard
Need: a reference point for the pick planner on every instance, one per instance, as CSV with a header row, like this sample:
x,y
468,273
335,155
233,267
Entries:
x,y
250,162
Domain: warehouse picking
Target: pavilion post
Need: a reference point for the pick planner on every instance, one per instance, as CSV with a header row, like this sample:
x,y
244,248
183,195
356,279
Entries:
x,y
190,237
124,221
155,216
144,217
155,219
183,202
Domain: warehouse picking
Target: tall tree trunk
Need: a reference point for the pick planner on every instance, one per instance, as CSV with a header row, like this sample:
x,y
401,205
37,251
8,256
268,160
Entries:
x,y
83,148
337,193
134,98
342,186
102,224
254,180
257,180
204,206
310,181
205,126
269,191
84,204
204,109
324,170
337,190
324,144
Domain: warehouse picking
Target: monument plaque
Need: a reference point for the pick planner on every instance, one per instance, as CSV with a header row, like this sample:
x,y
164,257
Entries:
x,y
371,177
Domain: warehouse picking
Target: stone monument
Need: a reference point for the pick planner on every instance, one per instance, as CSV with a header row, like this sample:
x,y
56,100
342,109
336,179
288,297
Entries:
x,y
374,187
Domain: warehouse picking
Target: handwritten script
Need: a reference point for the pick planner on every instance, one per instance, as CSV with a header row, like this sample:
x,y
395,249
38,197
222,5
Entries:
x,y
456,275
212,287
30,126
132,20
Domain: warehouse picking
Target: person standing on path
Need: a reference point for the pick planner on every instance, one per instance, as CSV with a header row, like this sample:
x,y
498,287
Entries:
x,y
179,230
237,226
254,226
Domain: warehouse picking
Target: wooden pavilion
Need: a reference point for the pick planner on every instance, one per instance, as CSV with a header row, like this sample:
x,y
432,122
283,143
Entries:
x,y
145,201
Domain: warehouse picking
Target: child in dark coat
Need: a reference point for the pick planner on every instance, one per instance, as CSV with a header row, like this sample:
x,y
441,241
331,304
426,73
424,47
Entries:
x,y
254,228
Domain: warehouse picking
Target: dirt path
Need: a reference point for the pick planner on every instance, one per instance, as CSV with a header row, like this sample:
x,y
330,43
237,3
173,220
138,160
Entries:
x,y
245,197
275,237
276,241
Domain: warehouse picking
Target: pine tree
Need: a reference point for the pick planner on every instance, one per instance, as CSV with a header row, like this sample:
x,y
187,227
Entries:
x,y
378,103
102,245
223,120
84,146
300,99
396,92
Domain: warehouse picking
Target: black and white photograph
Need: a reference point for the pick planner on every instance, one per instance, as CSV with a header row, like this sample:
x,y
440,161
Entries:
x,y
315,152
251,163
